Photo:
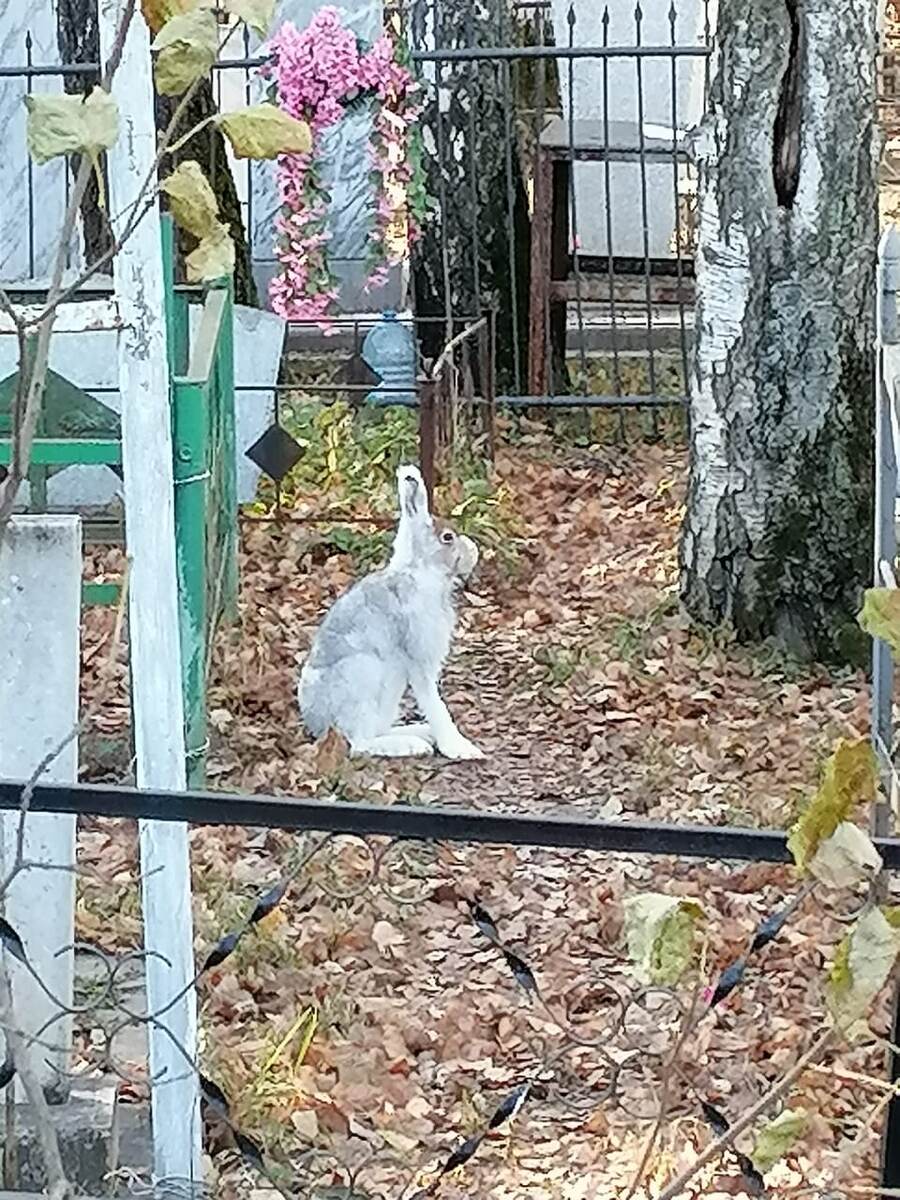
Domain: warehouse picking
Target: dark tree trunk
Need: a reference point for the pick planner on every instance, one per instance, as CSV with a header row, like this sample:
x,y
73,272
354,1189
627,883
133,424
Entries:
x,y
208,149
475,249
79,41
777,534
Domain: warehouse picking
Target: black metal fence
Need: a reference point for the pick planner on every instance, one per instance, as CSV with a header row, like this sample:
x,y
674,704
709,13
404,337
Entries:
x,y
581,1049
557,159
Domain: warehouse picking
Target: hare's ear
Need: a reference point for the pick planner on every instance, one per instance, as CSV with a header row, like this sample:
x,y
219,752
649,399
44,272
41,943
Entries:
x,y
411,493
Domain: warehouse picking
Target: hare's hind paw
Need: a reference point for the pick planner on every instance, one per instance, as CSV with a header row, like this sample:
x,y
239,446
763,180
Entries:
x,y
394,745
460,748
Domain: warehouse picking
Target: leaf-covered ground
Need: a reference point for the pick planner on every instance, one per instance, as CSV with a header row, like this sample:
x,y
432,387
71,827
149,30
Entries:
x,y
586,688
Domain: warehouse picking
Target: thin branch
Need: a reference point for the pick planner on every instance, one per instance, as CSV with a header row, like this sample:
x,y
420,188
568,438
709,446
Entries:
x,y
7,306
58,1187
688,1024
143,202
447,353
714,1149
25,429
20,862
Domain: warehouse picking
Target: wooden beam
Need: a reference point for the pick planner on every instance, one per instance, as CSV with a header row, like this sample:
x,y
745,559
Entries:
x,y
147,459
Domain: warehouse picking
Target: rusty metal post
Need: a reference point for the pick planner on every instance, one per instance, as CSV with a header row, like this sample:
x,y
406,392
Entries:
x,y
487,367
427,436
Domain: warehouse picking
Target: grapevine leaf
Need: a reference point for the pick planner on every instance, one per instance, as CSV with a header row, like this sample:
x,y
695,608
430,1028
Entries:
x,y
264,131
510,1106
849,780
880,615
484,921
11,941
257,14
862,964
213,258
187,47
522,973
776,1138
7,1072
846,858
59,125
661,933
728,981
753,1181
192,201
214,1096
769,929
716,1120
269,902
462,1154
222,950
157,12
249,1150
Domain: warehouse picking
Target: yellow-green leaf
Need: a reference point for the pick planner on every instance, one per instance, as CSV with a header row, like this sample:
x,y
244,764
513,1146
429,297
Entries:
x,y
846,858
776,1138
192,201
264,131
213,258
71,125
188,45
661,932
861,967
157,12
880,615
257,14
849,780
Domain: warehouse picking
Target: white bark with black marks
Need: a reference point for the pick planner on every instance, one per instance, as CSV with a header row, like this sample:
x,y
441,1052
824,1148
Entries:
x,y
777,533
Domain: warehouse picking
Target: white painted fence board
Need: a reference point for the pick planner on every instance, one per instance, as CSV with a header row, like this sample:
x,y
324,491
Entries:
x,y
40,619
153,609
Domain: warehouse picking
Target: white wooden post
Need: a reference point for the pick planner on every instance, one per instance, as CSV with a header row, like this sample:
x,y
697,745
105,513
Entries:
x,y
40,624
153,606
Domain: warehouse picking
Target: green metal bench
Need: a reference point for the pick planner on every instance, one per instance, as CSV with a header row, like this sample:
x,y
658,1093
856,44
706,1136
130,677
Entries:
x,y
76,429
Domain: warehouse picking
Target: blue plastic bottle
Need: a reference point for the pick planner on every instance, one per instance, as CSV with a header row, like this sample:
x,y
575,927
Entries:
x,y
390,350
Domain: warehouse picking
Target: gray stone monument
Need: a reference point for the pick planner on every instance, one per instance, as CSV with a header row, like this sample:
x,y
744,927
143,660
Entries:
x,y
622,234
32,198
345,156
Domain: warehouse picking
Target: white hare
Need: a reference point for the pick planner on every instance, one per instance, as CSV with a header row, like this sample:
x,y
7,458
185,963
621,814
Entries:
x,y
391,631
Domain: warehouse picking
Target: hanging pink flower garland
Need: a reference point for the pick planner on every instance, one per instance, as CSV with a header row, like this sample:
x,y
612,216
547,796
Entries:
x,y
317,73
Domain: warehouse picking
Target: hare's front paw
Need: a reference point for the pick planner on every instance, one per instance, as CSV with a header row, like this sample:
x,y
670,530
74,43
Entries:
x,y
459,747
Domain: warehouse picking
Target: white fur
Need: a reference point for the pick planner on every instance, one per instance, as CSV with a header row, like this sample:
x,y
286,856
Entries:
x,y
392,631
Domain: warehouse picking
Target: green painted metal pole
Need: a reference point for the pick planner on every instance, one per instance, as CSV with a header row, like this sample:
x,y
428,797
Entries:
x,y
228,466
177,333
64,452
191,446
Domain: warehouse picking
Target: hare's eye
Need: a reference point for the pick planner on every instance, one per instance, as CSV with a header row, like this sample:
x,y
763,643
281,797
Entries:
x,y
446,537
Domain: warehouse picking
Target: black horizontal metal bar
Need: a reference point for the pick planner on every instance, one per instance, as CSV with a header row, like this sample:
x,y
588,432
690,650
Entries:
x,y
500,53
34,72
442,55
419,824
651,400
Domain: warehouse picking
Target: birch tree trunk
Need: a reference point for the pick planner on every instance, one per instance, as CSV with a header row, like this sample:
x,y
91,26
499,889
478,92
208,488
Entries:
x,y
777,533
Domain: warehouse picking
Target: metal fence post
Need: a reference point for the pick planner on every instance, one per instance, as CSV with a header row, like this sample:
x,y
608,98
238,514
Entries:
x,y
882,662
427,436
885,547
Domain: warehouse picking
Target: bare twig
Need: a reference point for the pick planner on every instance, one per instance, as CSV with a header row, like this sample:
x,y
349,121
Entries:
x,y
26,419
775,1093
145,199
688,1024
20,862
447,353
7,306
58,1187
